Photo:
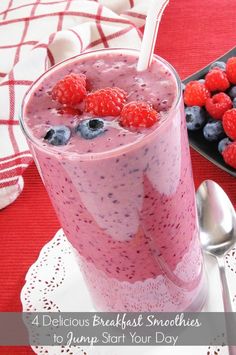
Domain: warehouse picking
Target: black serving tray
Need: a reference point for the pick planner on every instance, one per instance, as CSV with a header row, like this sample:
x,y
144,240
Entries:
x,y
196,138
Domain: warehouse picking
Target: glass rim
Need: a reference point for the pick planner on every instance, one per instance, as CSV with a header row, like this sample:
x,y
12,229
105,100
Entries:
x,y
114,151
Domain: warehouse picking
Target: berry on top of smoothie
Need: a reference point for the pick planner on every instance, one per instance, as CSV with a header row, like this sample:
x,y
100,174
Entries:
x,y
90,97
70,90
138,114
105,102
91,128
58,135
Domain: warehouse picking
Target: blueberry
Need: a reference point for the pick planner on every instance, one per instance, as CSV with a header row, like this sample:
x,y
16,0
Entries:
x,y
213,131
218,64
91,128
58,135
234,102
202,81
195,117
223,144
232,92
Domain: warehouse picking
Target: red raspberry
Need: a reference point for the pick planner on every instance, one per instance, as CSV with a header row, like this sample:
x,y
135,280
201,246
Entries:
x,y
231,70
105,102
229,154
195,94
138,114
216,80
218,104
70,90
229,123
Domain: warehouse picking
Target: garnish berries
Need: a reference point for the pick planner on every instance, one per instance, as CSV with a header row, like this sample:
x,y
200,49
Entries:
x,y
196,94
58,135
218,104
91,128
70,90
105,102
138,114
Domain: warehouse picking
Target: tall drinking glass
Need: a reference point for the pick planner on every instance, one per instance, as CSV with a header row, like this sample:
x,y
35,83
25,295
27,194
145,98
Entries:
x,y
126,201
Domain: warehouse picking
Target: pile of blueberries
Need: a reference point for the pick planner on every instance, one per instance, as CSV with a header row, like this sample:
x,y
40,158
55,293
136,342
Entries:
x,y
197,118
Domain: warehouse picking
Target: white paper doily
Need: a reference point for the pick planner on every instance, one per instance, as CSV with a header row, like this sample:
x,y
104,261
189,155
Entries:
x,y
54,283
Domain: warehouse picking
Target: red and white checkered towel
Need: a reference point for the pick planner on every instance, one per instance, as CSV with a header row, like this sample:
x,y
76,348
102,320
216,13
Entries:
x,y
35,34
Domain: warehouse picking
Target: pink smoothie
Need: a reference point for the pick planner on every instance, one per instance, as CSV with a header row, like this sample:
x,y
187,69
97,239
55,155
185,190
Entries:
x,y
125,199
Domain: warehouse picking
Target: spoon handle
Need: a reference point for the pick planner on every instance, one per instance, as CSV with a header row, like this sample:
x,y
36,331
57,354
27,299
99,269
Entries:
x,y
228,307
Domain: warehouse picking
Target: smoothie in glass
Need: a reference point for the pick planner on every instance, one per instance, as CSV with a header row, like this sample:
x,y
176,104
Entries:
x,y
125,199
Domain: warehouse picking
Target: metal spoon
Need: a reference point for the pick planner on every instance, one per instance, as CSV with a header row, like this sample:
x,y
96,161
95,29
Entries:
x,y
217,220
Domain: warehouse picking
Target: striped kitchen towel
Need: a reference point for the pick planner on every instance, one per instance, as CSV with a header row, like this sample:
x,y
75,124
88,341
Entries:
x,y
34,35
